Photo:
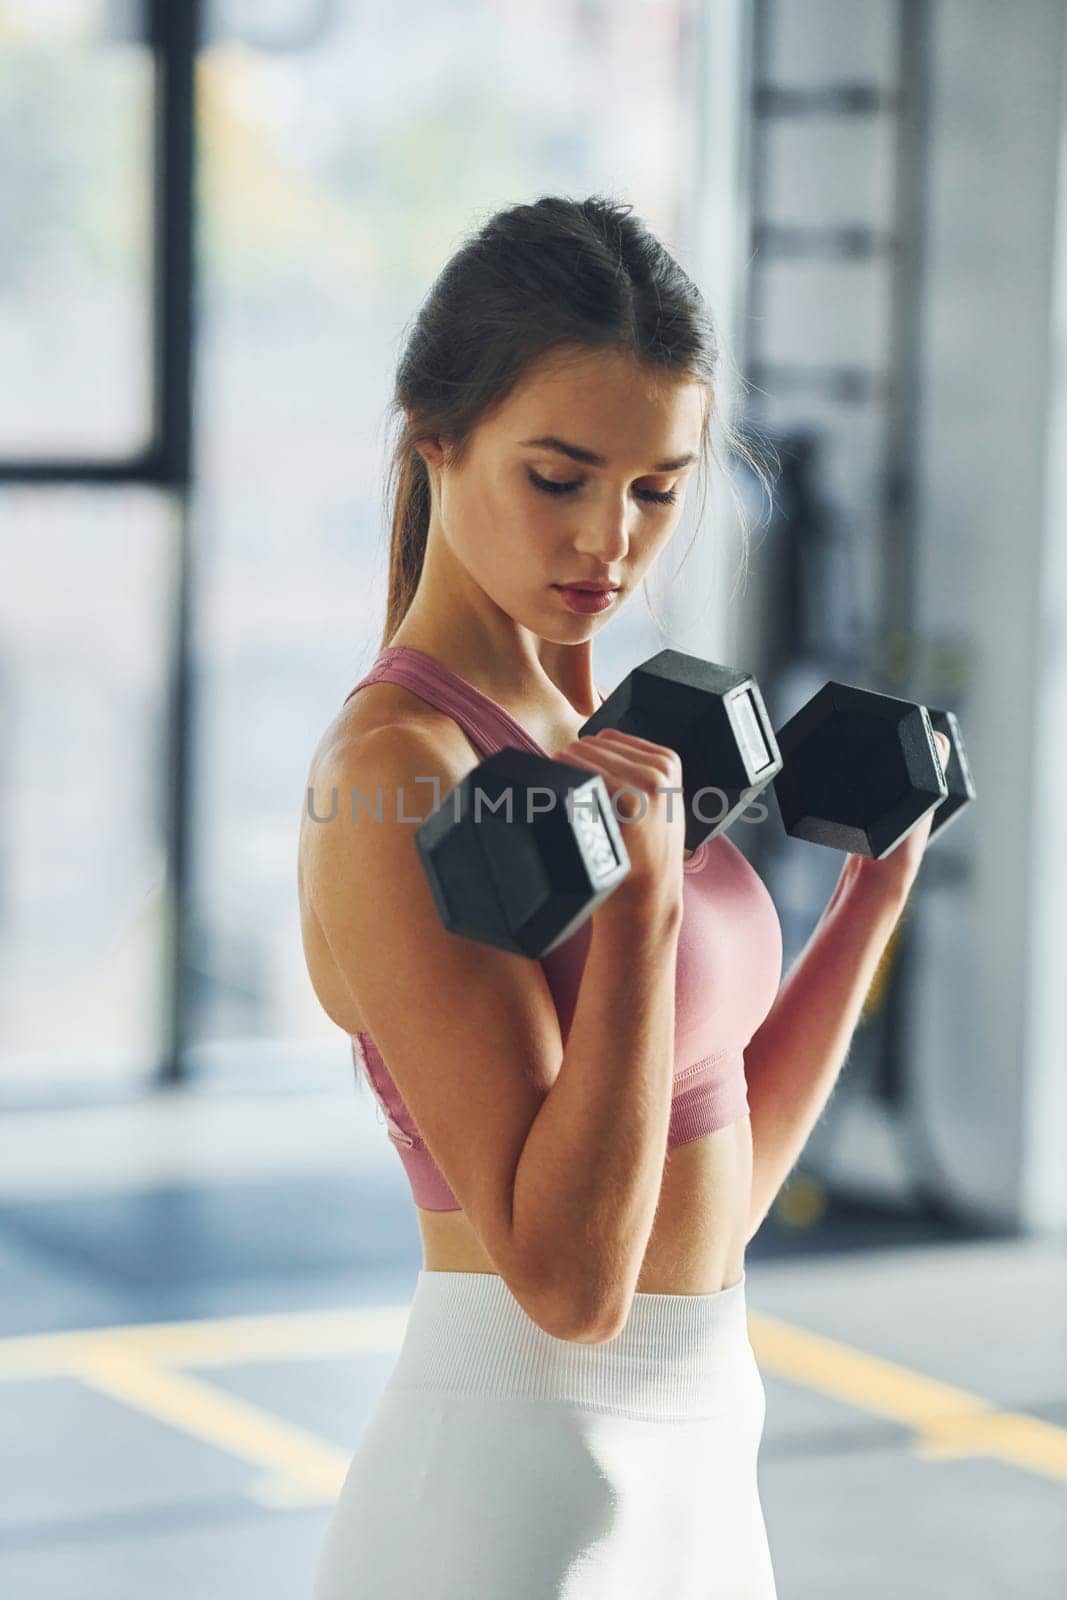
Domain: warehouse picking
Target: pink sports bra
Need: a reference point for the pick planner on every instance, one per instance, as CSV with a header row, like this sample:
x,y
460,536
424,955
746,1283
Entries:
x,y
729,961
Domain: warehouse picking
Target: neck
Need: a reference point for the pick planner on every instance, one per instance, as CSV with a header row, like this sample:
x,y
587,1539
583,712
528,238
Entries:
x,y
512,664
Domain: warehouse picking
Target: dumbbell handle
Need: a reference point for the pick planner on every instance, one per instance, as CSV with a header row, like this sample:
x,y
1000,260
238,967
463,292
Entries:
x,y
522,851
527,888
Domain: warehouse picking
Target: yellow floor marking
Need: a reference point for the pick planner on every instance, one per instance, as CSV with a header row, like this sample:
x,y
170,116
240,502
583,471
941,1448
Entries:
x,y
135,1363
948,1422
309,1470
216,1341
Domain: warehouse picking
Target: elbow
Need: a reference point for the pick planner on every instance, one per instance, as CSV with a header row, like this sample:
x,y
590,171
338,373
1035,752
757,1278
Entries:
x,y
568,1299
563,1316
593,1329
587,1330
602,1333
596,1324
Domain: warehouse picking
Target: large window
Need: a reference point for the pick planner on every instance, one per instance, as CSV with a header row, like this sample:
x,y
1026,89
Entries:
x,y
77,90
169,657
87,591
84,629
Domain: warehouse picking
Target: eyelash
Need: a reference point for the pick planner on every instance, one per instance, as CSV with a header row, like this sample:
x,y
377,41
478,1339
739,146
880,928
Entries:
x,y
664,497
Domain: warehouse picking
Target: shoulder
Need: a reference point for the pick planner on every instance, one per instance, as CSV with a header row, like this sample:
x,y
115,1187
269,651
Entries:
x,y
365,720
386,758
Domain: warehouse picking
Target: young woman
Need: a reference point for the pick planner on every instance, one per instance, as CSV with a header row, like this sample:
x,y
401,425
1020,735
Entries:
x,y
576,1409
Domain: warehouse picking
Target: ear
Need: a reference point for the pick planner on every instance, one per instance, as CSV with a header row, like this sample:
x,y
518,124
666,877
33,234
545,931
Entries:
x,y
429,447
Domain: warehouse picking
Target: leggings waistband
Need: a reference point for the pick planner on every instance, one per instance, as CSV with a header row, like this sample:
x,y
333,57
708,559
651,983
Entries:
x,y
677,1356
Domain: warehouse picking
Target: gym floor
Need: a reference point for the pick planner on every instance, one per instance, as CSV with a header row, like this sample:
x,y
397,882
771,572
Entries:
x,y
203,1299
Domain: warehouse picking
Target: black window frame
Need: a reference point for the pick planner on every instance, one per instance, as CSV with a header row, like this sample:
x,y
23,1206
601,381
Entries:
x,y
173,34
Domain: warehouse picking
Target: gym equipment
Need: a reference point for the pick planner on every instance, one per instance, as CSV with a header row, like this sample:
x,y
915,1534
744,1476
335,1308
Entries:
x,y
525,882
713,716
860,769
961,789
522,883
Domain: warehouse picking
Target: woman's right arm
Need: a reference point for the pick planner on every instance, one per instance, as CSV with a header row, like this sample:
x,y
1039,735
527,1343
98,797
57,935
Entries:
x,y
555,1154
589,1178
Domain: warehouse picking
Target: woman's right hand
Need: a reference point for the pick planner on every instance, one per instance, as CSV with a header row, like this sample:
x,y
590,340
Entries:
x,y
638,776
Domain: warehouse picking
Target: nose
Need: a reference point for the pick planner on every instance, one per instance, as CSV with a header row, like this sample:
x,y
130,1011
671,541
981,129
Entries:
x,y
606,538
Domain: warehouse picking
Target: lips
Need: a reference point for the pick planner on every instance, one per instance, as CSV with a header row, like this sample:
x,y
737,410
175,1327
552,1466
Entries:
x,y
589,588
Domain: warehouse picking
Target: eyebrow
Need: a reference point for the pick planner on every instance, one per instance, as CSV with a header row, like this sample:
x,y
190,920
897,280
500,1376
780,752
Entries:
x,y
589,458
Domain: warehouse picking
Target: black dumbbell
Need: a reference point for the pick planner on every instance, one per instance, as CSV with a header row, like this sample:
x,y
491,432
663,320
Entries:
x,y
511,866
714,717
860,769
958,777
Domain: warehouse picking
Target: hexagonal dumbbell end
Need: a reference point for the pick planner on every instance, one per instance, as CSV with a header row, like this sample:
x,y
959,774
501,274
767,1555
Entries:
x,y
714,717
522,851
961,789
859,769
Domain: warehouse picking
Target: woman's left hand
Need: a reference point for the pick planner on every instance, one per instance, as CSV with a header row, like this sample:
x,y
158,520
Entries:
x,y
892,877
896,872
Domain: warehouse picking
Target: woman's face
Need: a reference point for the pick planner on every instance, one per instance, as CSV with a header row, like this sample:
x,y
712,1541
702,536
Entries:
x,y
521,517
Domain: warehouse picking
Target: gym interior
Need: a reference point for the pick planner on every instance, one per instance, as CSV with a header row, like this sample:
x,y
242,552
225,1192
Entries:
x,y
217,217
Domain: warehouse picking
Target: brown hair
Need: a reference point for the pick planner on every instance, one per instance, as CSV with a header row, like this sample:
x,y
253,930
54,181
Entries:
x,y
558,272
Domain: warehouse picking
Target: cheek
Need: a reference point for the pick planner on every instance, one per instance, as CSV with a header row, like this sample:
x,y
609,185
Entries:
x,y
512,545
533,552
532,529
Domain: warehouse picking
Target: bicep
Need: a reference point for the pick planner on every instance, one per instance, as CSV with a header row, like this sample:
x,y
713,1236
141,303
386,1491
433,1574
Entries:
x,y
469,1033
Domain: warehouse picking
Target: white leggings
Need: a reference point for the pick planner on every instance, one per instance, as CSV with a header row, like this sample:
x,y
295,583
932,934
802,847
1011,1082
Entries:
x,y
501,1463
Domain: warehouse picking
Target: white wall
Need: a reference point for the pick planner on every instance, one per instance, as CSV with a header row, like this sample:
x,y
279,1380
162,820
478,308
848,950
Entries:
x,y
991,549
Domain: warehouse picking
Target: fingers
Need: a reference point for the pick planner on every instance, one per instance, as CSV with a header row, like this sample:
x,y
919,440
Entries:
x,y
632,744
613,763
598,753
631,738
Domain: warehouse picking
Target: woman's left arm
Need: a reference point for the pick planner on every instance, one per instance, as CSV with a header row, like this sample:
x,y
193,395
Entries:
x,y
793,1060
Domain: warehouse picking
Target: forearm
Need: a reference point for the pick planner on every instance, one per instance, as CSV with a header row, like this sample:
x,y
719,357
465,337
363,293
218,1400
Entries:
x,y
795,1057
589,1177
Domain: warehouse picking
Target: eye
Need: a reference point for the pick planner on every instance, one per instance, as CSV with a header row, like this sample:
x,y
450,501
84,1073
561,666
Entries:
x,y
663,497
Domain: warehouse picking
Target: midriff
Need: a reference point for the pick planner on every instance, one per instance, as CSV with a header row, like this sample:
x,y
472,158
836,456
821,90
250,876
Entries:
x,y
698,1239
